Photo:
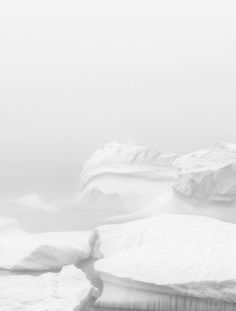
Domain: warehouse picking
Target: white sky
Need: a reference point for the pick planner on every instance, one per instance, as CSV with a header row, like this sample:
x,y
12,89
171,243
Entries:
x,y
74,74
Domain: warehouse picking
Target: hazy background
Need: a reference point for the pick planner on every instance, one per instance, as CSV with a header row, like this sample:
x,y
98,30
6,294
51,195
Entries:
x,y
75,74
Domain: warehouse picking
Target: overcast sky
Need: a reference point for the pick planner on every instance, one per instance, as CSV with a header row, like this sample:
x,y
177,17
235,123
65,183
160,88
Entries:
x,y
75,74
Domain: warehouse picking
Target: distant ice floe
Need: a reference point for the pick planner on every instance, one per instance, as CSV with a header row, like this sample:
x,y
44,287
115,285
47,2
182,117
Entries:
x,y
34,201
20,250
64,291
181,262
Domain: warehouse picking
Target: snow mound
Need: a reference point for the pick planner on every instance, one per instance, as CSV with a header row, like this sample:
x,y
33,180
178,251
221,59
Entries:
x,y
208,175
21,250
65,291
121,178
189,256
112,239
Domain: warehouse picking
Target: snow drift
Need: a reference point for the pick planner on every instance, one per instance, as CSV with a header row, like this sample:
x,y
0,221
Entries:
x,y
181,262
65,291
123,177
21,250
206,185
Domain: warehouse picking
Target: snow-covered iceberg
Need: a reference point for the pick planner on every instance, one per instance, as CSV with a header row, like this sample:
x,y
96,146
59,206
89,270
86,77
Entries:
x,y
20,250
112,239
64,291
206,185
123,177
208,175
182,263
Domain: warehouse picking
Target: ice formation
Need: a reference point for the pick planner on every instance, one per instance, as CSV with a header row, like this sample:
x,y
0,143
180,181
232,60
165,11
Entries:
x,y
123,177
208,175
173,257
64,291
206,185
21,250
112,239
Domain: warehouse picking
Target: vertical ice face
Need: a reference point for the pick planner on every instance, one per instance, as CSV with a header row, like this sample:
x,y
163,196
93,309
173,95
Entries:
x,y
123,177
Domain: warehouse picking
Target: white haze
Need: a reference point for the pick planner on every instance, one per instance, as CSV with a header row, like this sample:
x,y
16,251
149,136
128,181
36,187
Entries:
x,y
75,74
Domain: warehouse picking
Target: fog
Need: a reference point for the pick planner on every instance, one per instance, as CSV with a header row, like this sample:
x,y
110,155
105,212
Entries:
x,y
75,74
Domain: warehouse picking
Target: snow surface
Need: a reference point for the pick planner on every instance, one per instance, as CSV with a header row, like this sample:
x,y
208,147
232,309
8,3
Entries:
x,y
186,255
65,291
112,239
21,250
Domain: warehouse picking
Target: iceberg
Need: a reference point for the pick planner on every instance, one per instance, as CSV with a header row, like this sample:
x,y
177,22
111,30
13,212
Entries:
x,y
122,178
182,263
205,185
112,239
64,291
21,250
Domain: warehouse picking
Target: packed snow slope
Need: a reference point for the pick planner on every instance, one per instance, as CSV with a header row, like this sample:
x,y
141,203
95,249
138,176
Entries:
x,y
123,177
64,291
21,250
179,255
206,185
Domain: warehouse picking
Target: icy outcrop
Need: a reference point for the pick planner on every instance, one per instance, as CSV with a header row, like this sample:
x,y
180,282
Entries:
x,y
128,158
112,239
65,291
185,255
206,186
208,175
123,177
21,250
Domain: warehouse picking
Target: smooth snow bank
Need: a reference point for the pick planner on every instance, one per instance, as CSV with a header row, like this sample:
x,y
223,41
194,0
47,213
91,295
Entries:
x,y
112,239
121,178
20,250
65,291
208,175
181,255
